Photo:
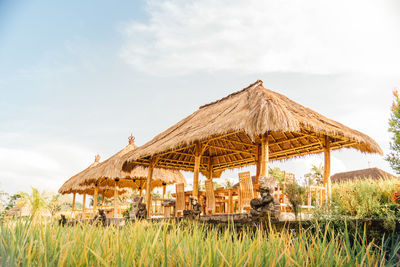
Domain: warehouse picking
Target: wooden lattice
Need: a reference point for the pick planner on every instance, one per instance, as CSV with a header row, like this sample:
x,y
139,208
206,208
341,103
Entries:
x,y
246,193
180,199
210,196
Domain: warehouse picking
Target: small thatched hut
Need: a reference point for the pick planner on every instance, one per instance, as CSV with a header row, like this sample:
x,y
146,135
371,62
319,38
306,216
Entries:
x,y
252,126
108,174
370,173
72,186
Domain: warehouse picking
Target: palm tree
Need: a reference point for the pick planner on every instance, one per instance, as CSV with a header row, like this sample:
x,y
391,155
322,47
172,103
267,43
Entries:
x,y
316,176
35,201
228,184
54,205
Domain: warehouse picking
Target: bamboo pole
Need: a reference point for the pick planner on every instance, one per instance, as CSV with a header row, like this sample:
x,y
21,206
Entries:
x,y
327,167
230,208
84,203
258,164
115,200
264,155
196,170
73,202
140,192
148,188
164,189
96,191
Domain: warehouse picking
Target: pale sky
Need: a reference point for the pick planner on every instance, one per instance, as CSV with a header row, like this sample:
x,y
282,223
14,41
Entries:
x,y
78,77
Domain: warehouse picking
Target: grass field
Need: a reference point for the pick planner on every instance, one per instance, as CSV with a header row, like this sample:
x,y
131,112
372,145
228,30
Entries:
x,y
27,243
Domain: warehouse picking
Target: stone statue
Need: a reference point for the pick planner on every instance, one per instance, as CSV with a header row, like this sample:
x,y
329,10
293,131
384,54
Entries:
x,y
63,220
139,210
195,212
101,218
265,206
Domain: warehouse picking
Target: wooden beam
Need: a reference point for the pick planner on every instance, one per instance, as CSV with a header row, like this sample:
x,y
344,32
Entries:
x,y
258,163
239,143
164,189
210,171
96,191
233,150
327,166
84,203
196,170
73,201
115,200
264,155
148,188
234,164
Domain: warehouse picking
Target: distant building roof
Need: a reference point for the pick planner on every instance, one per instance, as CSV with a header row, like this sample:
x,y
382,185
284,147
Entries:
x,y
371,173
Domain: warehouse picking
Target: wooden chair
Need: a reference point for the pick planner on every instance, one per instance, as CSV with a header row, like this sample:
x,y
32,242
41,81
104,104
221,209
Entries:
x,y
210,197
246,193
180,199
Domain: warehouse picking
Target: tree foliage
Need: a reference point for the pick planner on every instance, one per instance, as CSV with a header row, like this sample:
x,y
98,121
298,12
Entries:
x,y
295,193
315,176
394,127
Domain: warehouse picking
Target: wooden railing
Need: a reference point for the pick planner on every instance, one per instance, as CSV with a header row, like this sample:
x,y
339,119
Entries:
x,y
156,208
315,196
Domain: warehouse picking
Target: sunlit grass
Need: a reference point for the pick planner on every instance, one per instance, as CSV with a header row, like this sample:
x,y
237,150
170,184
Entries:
x,y
24,243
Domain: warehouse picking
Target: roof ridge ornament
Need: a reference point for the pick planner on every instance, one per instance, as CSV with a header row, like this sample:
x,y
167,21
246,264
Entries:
x,y
131,139
97,158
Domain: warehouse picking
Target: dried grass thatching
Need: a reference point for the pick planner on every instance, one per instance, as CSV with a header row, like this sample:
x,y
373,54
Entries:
x,y
108,172
72,184
229,131
370,173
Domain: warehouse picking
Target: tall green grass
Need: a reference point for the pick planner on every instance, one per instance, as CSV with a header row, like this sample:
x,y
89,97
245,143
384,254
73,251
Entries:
x,y
24,243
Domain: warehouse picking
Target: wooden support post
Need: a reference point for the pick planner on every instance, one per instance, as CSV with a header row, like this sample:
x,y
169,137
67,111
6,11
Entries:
x,y
230,208
264,155
148,187
115,200
140,192
327,167
73,202
96,191
164,189
196,170
258,164
84,203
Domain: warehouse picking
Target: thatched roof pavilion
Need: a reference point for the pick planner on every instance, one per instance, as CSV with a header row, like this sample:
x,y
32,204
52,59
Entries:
x,y
72,186
108,175
109,171
370,173
252,126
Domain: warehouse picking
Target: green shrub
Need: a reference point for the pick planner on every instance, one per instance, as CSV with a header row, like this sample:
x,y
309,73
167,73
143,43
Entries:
x,y
365,198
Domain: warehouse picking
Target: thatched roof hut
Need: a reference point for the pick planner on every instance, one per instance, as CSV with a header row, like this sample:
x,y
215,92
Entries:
x,y
370,173
109,171
72,184
252,126
228,133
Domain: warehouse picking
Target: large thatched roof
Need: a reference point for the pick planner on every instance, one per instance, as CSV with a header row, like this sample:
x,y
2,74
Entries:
x,y
106,173
370,173
229,132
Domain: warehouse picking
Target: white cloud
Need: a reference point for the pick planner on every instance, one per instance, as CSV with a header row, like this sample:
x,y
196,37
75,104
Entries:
x,y
315,36
44,165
